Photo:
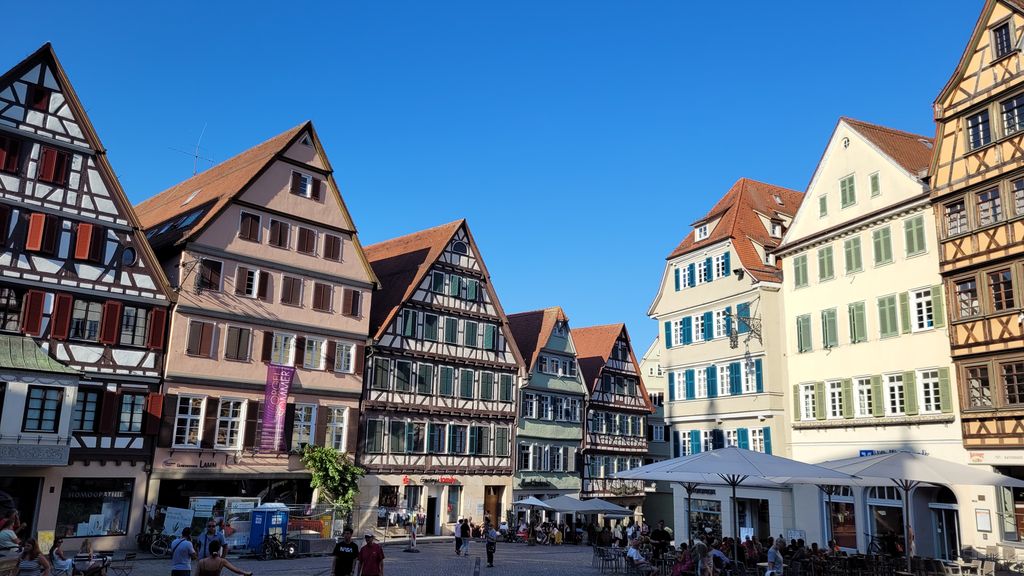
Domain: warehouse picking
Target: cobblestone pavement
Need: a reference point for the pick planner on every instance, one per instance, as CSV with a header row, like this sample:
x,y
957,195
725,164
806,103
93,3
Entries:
x,y
434,559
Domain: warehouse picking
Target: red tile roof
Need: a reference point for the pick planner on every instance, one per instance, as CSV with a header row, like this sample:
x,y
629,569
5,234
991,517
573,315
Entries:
x,y
911,151
531,330
215,188
738,220
594,346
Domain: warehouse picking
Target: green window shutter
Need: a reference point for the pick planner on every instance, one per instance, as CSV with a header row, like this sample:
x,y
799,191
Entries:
x,y
848,194
848,398
938,306
876,188
454,285
471,289
819,400
800,271
803,333
905,311
852,259
909,393
858,323
877,402
743,438
887,323
831,322
668,334
882,240
822,206
825,267
909,237
676,273
852,321
796,403
945,392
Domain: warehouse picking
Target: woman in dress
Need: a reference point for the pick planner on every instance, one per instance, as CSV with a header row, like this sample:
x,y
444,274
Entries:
x,y
32,561
61,564
213,564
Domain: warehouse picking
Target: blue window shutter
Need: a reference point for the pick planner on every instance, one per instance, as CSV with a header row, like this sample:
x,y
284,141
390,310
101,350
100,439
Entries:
x,y
677,279
689,385
709,269
691,276
677,447
725,257
743,438
735,386
712,372
671,386
728,320
709,329
668,334
687,330
694,441
743,311
767,439
758,375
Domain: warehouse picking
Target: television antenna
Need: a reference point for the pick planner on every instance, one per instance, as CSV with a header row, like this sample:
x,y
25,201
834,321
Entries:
x,y
195,153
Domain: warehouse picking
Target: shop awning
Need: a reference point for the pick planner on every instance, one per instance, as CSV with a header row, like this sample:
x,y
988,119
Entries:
x,y
22,353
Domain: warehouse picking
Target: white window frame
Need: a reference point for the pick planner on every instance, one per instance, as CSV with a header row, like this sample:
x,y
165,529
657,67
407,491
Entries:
x,y
657,433
718,264
731,438
301,422
702,273
748,380
193,420
894,389
334,428
720,320
316,360
238,421
834,397
701,232
700,382
723,380
864,401
922,310
345,358
698,328
677,332
529,405
928,392
307,182
684,276
808,403
756,439
255,283
281,339
707,440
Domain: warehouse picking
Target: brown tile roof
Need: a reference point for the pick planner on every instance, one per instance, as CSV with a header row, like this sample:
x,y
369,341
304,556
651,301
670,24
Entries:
x,y
911,151
215,189
532,329
969,50
594,346
738,220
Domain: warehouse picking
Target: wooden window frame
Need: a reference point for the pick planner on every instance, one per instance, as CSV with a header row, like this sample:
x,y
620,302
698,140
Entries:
x,y
306,235
327,254
282,226
59,409
204,338
203,279
248,343
243,234
286,295
57,173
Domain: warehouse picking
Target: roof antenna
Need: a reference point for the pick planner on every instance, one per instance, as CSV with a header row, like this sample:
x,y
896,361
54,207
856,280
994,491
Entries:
x,y
196,157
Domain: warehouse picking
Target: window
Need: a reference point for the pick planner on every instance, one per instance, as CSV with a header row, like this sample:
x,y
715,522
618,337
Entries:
x,y
829,329
455,285
700,232
425,378
876,188
472,289
505,382
931,400
302,426
83,417
835,399
282,349
54,166
967,297
865,403
1001,285
38,98
544,411
250,283
822,206
249,227
490,337
437,282
501,444
200,339
921,309
657,433
701,385
451,330
1017,187
803,333
757,443
352,303
323,297
469,335
723,380
887,323
703,274
332,247
85,320
956,218
895,395
990,207
230,421
721,324
313,357
42,233
978,131
847,192
529,405
446,382
375,436
381,373
800,271
302,184
430,327
979,391
749,376
457,440
83,499
345,358
209,275
719,263
1013,381
10,153
306,243
460,247
188,421
10,310
291,291
403,376
134,324
337,428
1013,114
42,409
239,343
684,275
133,407
882,239
851,252
280,234
913,233
466,378
857,317
826,270
1001,39
775,229
698,328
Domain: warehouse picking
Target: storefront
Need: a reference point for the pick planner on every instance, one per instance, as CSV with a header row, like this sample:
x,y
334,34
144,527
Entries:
x,y
759,511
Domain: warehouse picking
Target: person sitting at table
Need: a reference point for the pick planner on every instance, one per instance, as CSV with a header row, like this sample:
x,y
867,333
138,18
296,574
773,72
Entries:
x,y
88,562
720,560
60,562
684,561
639,562
775,565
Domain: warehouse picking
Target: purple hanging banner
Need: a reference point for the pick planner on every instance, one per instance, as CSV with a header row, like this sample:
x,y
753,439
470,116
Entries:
x,y
275,400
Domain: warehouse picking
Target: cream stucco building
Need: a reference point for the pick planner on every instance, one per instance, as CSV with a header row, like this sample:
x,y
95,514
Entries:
x,y
866,340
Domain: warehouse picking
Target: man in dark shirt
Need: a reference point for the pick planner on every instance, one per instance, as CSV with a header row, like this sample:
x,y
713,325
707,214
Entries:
x,y
345,554
660,539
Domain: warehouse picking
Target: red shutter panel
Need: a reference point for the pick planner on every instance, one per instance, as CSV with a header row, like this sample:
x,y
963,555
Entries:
x,y
5,145
263,290
297,184
36,227
346,306
154,410
61,316
47,164
166,434
209,422
108,413
111,323
360,352
330,355
83,241
268,345
32,313
12,162
316,189
252,422
99,244
300,350
241,274
206,339
157,323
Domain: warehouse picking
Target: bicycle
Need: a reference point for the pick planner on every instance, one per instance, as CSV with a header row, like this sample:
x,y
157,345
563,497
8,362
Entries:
x,y
161,545
273,548
876,545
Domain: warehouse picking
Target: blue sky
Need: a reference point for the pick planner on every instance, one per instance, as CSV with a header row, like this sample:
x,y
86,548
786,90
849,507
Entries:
x,y
580,139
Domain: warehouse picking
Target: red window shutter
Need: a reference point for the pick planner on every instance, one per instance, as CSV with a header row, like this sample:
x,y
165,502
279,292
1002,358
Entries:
x,y
165,434
154,411
241,275
5,223
83,241
329,355
110,325
32,313
346,306
50,229
109,412
263,291
36,227
268,345
206,339
300,350
13,156
157,322
316,189
5,151
61,316
360,352
47,164
297,184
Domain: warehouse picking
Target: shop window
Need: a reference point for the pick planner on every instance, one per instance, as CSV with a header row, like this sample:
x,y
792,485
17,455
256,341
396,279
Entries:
x,y
387,500
454,503
93,507
706,518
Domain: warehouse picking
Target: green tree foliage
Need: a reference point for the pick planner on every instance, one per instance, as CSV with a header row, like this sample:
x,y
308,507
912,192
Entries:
x,y
334,475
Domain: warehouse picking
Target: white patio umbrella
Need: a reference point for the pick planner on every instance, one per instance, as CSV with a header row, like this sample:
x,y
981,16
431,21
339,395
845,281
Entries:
x,y
735,466
599,506
908,470
565,504
532,502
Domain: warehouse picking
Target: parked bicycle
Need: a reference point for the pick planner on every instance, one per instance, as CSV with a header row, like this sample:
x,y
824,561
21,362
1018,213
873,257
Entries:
x,y
273,548
161,544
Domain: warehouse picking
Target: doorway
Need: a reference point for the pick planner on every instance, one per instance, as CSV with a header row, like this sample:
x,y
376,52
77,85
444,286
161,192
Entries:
x,y
492,503
26,493
431,521
946,521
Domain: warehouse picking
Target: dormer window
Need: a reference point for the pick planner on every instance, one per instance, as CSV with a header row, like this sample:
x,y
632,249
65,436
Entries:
x,y
1002,40
306,141
701,232
559,328
776,229
38,98
460,247
778,199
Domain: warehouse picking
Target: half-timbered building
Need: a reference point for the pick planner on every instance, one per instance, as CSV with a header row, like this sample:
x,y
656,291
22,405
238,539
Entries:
x,y
439,405
552,403
615,429
977,188
266,342
83,307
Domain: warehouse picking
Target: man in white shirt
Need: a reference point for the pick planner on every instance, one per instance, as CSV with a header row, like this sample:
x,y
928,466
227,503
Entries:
x,y
641,563
182,554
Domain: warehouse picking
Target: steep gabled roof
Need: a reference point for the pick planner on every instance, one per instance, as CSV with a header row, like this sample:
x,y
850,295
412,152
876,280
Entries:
x,y
912,152
531,330
214,189
594,345
965,58
738,221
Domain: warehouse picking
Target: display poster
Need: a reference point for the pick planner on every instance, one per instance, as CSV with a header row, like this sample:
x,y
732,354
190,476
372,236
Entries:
x,y
176,519
275,400
45,540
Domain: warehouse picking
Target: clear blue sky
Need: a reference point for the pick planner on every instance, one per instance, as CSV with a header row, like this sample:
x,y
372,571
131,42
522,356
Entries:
x,y
580,139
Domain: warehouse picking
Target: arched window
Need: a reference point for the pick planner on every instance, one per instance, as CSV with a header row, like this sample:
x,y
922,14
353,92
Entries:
x,y
889,493
460,247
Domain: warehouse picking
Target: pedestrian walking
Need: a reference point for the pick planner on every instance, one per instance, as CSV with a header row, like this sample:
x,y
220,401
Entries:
x,y
371,557
213,564
491,539
466,533
345,554
458,537
211,535
182,554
